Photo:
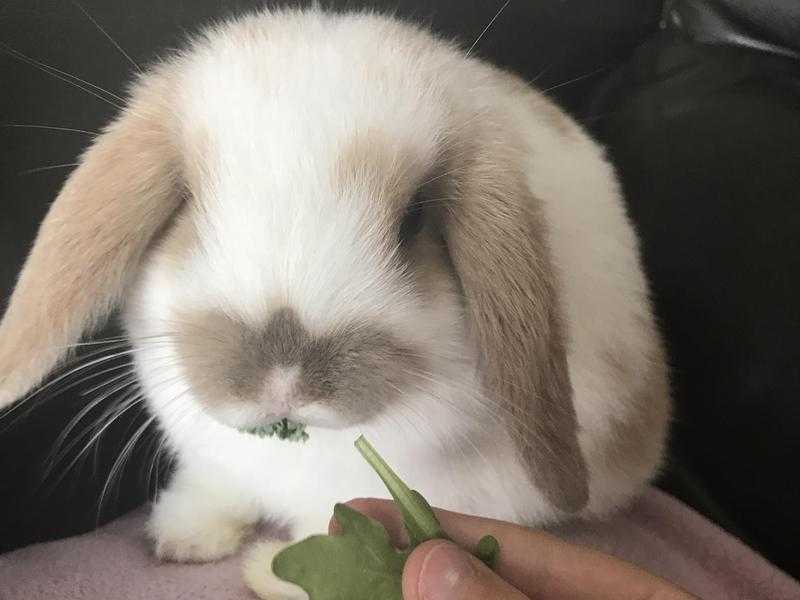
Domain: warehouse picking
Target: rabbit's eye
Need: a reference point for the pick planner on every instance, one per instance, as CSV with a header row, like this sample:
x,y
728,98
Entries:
x,y
412,221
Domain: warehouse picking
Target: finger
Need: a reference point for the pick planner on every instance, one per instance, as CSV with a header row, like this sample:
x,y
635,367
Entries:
x,y
539,564
440,570
465,530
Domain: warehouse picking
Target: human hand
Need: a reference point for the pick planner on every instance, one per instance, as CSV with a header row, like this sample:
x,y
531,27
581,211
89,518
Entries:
x,y
533,565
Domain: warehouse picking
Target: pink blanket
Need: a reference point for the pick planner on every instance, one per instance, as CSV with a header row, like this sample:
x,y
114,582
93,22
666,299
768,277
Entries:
x,y
657,532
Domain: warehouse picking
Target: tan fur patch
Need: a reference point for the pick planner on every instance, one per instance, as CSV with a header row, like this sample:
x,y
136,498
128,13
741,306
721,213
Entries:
x,y
630,445
498,243
92,240
181,237
357,370
430,266
387,171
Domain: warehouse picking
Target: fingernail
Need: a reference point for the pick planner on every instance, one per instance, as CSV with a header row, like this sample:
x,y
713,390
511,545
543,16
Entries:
x,y
333,527
443,573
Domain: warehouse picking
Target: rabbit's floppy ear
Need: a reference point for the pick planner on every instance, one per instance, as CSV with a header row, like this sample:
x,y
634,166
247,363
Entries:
x,y
497,239
91,241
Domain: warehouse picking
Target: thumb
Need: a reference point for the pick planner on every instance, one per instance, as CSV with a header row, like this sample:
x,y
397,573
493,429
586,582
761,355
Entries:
x,y
440,570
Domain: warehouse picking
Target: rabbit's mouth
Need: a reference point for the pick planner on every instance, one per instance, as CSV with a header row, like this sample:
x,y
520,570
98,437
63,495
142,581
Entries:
x,y
283,429
263,418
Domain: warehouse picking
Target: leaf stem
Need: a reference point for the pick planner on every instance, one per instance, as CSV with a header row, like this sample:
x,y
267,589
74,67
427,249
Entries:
x,y
419,519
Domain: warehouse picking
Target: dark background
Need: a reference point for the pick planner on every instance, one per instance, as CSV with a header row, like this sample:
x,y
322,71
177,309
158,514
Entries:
x,y
697,103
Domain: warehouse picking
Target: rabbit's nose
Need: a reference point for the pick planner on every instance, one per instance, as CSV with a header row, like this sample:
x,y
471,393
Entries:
x,y
281,388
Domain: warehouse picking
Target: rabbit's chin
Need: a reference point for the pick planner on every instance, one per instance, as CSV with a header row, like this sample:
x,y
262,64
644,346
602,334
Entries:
x,y
318,415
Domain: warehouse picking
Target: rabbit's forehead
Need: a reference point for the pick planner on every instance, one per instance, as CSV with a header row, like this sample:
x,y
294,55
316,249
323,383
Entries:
x,y
273,147
293,109
351,173
300,154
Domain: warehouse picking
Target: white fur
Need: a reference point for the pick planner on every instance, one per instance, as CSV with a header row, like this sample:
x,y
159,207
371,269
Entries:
x,y
270,101
260,578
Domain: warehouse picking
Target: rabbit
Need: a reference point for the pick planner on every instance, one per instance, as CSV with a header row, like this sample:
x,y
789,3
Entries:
x,y
345,220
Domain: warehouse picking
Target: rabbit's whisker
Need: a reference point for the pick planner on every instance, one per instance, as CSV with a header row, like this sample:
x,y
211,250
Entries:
x,y
47,168
73,80
107,35
486,29
49,128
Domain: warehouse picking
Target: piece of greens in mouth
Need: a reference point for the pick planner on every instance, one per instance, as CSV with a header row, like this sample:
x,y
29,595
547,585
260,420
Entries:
x,y
360,563
283,430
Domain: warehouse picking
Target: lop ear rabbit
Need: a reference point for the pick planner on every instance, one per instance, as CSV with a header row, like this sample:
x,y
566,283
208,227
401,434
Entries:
x,y
344,220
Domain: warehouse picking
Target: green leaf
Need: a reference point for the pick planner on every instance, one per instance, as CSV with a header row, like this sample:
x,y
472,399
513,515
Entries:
x,y
283,430
358,564
488,550
418,517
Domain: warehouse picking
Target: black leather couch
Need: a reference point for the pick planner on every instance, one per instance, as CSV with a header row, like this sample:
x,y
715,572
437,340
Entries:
x,y
699,105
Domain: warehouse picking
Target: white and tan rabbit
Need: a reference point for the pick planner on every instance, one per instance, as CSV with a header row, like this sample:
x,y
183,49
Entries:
x,y
345,220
